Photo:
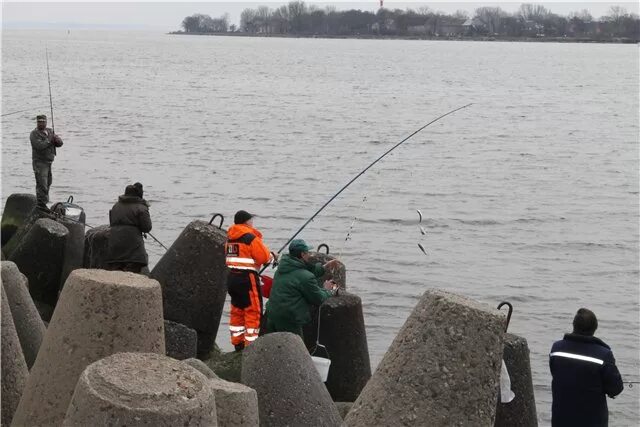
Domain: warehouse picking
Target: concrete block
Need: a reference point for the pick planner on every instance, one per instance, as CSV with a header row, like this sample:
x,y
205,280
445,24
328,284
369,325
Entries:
x,y
14,368
343,333
521,411
202,367
40,257
28,323
344,408
236,404
74,251
100,313
96,247
23,229
278,367
194,283
181,342
227,366
141,389
338,272
16,210
442,369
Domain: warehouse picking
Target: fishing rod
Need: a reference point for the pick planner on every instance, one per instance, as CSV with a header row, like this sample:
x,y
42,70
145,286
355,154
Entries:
x,y
362,172
53,127
91,226
21,111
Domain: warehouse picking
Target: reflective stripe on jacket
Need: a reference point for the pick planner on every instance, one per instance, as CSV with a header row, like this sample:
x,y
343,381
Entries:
x,y
584,372
244,248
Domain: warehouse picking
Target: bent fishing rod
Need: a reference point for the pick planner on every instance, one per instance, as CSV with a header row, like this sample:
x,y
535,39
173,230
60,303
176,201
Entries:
x,y
91,226
53,127
362,172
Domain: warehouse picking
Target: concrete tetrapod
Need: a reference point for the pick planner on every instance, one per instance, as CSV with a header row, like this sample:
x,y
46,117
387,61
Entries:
x,y
442,368
22,231
16,210
343,334
28,323
74,251
278,367
96,247
141,389
193,276
100,313
14,368
338,273
40,257
237,405
521,411
180,341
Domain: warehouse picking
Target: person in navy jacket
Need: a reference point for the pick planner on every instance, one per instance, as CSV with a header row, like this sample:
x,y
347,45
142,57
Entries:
x,y
584,372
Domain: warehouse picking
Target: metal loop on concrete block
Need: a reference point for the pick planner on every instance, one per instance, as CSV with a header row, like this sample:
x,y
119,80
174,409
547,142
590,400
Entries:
x,y
324,245
221,219
508,304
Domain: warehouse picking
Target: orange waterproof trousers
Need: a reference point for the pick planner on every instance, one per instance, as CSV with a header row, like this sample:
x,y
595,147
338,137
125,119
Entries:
x,y
246,306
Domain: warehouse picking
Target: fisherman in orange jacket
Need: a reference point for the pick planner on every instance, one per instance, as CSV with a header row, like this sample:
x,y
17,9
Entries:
x,y
245,254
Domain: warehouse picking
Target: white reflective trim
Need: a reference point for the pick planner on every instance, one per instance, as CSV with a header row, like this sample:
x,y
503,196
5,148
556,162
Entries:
x,y
235,267
251,338
236,328
237,334
577,357
253,331
241,260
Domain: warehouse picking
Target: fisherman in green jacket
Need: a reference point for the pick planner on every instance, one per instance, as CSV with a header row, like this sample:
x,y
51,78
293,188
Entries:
x,y
295,287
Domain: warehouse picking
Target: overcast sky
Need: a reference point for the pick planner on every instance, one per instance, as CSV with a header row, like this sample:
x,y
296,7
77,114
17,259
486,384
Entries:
x,y
168,15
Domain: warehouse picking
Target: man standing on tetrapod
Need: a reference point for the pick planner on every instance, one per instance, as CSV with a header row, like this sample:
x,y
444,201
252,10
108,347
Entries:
x,y
43,151
245,255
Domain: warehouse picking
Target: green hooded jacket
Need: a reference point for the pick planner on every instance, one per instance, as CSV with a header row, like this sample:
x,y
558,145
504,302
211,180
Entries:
x,y
295,287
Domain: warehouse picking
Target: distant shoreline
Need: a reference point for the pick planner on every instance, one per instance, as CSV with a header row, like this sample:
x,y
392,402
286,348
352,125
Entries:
x,y
416,37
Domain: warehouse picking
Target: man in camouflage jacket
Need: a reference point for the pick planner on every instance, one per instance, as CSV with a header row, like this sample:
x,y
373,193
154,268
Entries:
x,y
43,148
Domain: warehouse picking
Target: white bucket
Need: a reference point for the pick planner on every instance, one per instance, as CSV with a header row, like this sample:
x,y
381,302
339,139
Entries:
x,y
322,366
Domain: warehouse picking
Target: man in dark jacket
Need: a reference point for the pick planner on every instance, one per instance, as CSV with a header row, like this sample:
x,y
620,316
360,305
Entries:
x,y
295,288
43,152
129,218
584,372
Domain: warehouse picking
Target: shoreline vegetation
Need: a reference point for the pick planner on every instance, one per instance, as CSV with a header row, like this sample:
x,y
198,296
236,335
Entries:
x,y
531,23
433,38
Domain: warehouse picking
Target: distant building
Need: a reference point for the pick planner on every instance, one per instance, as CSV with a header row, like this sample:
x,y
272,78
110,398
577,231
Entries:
x,y
474,26
450,29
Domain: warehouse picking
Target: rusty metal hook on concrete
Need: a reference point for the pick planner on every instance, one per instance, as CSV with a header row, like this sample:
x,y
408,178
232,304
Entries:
x,y
508,304
214,217
324,245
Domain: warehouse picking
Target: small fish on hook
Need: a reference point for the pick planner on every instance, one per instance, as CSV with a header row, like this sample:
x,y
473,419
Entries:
x,y
423,231
422,248
419,213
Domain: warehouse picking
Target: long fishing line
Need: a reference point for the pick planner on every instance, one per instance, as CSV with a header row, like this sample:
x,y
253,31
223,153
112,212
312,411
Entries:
x,y
361,173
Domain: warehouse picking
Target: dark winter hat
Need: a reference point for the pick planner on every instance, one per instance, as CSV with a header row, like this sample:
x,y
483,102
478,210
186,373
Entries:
x,y
41,118
297,246
139,189
585,322
242,216
130,190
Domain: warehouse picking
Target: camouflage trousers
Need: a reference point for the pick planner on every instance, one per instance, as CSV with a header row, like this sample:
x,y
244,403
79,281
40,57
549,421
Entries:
x,y
42,170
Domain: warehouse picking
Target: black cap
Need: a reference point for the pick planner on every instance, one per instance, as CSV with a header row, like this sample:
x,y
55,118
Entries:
x,y
130,190
139,189
41,118
242,216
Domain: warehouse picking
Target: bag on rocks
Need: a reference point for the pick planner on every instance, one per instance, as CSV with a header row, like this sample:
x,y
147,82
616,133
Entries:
x,y
69,210
506,395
